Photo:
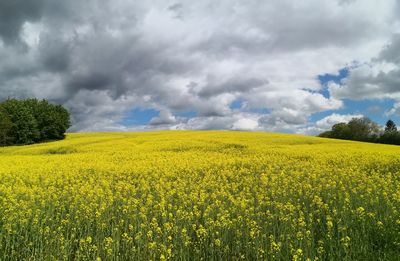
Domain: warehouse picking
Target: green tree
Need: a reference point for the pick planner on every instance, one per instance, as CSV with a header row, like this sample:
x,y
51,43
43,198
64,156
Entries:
x,y
360,129
5,129
390,126
29,121
62,122
363,129
325,134
391,135
24,126
340,131
52,120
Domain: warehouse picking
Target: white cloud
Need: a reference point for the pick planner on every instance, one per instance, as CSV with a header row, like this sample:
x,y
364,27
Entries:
x,y
245,124
103,59
394,110
164,118
377,79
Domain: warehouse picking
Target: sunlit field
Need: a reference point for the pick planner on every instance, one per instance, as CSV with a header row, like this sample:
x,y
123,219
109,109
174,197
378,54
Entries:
x,y
211,195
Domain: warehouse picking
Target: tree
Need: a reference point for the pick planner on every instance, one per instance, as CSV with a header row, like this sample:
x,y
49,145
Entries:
x,y
325,134
340,131
52,120
360,129
29,121
5,129
391,135
390,126
24,128
363,129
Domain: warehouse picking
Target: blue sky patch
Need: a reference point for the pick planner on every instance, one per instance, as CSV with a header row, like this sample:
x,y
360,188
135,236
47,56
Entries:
x,y
139,116
336,78
373,108
236,104
186,114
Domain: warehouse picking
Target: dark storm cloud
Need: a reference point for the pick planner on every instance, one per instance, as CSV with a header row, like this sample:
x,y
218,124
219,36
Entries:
x,y
54,54
231,86
14,13
90,81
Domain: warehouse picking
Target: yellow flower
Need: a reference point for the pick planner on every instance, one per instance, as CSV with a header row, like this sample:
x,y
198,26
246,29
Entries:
x,y
183,194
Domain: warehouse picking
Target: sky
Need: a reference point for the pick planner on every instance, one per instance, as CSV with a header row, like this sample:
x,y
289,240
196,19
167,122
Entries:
x,y
277,65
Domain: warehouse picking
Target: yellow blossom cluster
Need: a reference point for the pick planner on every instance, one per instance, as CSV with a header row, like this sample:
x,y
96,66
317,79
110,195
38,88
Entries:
x,y
199,195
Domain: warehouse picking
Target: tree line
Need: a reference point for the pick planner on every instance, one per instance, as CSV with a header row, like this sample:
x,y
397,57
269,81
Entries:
x,y
31,121
364,129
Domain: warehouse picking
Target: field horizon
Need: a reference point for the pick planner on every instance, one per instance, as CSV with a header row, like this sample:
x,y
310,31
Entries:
x,y
69,135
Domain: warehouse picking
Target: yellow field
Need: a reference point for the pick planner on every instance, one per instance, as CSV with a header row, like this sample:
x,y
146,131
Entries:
x,y
190,195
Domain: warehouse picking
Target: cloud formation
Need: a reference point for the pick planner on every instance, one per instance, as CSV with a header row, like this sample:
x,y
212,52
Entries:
x,y
327,122
379,78
101,59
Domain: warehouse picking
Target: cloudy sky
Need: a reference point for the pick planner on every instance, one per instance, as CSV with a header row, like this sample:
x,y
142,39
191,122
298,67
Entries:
x,y
269,65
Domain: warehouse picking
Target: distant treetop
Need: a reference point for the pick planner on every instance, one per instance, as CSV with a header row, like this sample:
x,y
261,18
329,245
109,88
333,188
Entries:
x,y
390,126
363,129
31,121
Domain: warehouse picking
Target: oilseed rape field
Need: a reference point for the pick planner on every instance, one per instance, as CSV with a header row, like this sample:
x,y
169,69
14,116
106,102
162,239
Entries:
x,y
199,195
